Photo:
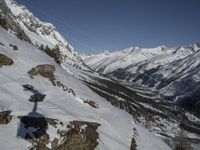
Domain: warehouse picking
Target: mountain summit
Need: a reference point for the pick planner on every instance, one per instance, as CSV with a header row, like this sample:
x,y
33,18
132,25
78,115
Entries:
x,y
29,28
170,71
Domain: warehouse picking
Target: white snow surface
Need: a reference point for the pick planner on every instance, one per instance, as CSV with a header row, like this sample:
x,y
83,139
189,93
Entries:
x,y
116,130
111,61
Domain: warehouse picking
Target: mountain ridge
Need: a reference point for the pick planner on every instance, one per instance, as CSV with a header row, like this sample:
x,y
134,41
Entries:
x,y
160,69
24,24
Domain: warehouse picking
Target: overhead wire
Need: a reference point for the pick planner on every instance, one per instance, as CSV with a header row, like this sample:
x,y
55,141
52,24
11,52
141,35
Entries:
x,y
85,34
67,25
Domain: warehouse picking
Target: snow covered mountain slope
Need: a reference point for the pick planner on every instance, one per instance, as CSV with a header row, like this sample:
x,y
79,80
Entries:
x,y
173,72
26,26
44,106
67,105
64,101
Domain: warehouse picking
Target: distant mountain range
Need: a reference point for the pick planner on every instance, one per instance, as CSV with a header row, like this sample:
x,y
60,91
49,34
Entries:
x,y
172,72
52,99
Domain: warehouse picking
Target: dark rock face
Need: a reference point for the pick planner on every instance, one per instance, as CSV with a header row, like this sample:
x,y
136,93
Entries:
x,y
46,71
5,117
91,103
80,135
5,61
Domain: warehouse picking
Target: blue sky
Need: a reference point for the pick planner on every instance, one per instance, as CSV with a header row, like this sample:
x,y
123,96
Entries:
x,y
95,25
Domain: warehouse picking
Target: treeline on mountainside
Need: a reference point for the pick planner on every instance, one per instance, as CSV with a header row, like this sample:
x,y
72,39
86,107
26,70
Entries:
x,y
53,52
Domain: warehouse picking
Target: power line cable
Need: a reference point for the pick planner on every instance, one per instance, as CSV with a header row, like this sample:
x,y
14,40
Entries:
x,y
70,26
83,33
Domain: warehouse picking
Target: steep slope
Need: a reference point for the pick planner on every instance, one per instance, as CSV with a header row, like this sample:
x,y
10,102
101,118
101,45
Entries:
x,y
65,106
19,83
44,106
70,98
172,72
26,26
164,118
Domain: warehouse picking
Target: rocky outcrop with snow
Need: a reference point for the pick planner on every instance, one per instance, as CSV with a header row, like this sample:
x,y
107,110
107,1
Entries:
x,y
29,28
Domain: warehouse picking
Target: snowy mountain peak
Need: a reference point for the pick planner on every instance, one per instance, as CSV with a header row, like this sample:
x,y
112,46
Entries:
x,y
152,67
163,47
106,52
196,46
33,25
28,27
16,9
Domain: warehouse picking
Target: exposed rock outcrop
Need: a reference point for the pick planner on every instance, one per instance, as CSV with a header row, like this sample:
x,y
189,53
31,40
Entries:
x,y
5,61
5,117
